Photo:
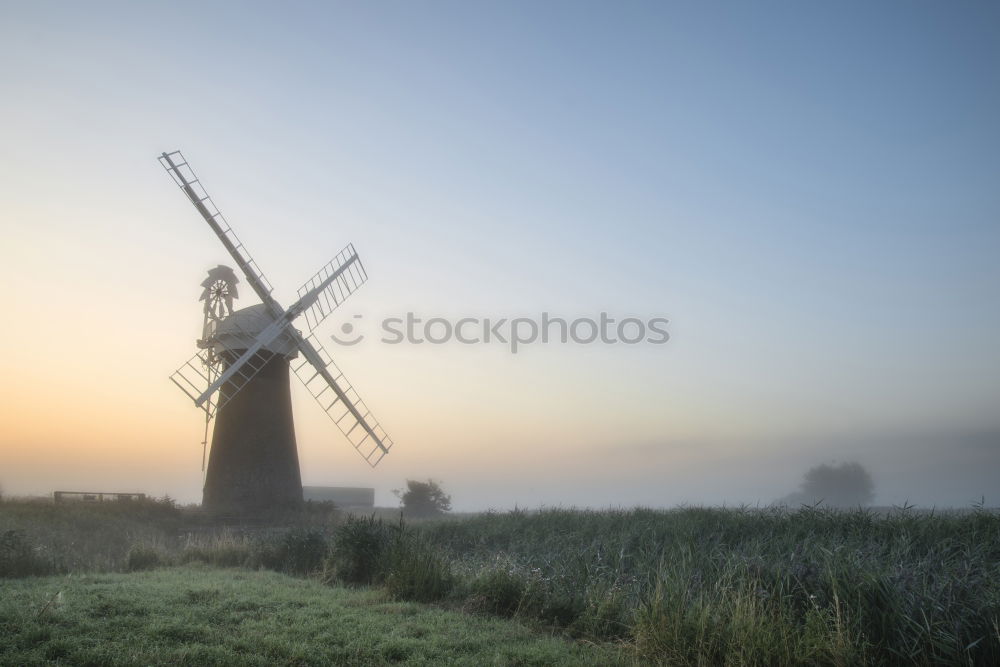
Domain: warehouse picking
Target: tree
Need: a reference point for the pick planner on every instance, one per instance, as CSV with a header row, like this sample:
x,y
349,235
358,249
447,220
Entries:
x,y
423,499
844,485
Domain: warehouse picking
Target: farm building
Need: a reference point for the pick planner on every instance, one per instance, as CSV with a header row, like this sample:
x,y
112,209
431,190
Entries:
x,y
341,496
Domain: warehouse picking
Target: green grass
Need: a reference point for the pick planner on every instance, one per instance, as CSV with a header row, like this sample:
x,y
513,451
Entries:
x,y
199,615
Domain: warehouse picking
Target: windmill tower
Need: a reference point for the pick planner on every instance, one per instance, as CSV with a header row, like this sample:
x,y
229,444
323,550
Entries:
x,y
240,374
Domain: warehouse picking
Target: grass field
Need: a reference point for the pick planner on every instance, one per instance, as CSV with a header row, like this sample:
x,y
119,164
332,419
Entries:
x,y
199,615
687,586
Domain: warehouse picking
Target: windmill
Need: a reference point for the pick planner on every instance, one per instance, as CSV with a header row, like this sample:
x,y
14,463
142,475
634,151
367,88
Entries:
x,y
240,374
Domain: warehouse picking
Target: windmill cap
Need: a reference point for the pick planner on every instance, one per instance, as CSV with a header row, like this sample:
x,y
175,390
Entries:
x,y
238,331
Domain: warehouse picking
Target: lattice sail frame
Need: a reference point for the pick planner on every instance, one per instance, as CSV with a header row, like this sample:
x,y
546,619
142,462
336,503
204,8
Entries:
x,y
189,183
373,443
343,275
349,280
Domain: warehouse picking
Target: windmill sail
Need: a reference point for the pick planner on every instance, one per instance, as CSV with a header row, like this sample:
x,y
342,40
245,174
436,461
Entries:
x,y
333,294
177,166
194,375
201,371
234,356
339,400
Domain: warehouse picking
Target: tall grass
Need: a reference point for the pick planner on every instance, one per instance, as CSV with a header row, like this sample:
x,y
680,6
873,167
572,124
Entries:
x,y
38,537
368,550
746,586
77,537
